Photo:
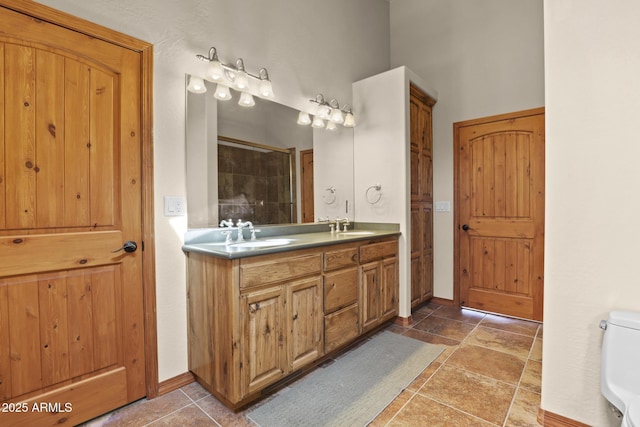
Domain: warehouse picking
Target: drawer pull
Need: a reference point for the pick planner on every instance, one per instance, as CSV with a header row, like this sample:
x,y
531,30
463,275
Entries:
x,y
254,307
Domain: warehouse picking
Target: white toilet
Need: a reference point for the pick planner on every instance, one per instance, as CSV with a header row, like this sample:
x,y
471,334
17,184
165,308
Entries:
x,y
620,370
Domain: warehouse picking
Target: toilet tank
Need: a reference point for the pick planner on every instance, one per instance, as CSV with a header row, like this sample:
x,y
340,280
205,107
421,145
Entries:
x,y
620,370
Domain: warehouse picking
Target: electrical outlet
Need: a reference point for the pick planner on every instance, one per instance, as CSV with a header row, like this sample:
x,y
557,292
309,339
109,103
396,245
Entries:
x,y
174,206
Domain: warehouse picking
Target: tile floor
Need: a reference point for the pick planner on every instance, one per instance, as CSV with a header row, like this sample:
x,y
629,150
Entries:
x,y
489,375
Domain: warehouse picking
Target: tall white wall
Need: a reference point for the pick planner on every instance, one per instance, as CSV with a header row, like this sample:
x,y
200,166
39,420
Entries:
x,y
592,64
483,58
308,47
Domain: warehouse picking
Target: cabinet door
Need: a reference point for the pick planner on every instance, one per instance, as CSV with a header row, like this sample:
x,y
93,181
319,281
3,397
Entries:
x,y
389,288
369,295
263,357
305,320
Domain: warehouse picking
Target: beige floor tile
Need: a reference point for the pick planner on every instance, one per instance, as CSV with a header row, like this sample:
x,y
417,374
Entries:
x,y
508,342
422,411
536,350
390,411
223,415
491,363
143,411
510,325
195,391
444,327
524,410
185,417
474,394
532,376
423,377
461,314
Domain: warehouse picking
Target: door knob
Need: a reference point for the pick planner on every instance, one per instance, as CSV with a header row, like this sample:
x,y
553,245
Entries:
x,y
129,246
465,227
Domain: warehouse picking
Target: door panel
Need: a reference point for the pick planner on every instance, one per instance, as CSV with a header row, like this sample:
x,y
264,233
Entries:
x,y
71,308
500,198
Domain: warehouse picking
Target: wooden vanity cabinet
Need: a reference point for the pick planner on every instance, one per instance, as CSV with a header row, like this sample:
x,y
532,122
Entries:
x,y
378,283
253,321
341,320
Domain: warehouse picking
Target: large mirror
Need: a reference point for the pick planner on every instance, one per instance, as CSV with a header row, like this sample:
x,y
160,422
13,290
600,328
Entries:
x,y
257,164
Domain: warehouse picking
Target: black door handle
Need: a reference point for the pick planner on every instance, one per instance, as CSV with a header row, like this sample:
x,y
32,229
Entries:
x,y
465,227
129,246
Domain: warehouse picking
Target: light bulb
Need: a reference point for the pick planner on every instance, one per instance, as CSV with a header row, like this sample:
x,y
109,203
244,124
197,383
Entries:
x,y
303,118
266,89
196,85
241,81
331,125
246,100
222,92
349,121
317,122
336,116
215,72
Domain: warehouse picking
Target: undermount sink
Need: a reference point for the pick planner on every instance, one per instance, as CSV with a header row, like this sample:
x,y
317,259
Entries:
x,y
262,243
357,233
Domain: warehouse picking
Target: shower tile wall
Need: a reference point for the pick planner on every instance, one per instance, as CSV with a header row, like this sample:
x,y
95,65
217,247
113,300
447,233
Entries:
x,y
253,185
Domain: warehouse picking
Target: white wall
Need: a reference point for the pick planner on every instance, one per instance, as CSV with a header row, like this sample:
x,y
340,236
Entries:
x,y
483,58
592,69
308,47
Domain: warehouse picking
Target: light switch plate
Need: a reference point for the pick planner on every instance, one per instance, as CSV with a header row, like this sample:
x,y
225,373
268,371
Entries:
x,y
443,206
174,206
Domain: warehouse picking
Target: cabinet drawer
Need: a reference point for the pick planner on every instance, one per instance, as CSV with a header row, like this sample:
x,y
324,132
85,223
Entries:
x,y
255,273
340,289
378,250
340,327
340,258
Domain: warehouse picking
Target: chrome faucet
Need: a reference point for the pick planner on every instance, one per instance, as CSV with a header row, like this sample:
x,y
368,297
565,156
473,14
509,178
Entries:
x,y
240,224
345,223
226,223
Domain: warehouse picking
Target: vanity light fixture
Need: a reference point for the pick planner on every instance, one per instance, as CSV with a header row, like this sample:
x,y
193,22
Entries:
x,y
246,100
196,85
234,75
303,118
329,111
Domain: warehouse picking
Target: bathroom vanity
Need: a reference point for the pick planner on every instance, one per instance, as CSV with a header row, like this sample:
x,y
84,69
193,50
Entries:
x,y
261,311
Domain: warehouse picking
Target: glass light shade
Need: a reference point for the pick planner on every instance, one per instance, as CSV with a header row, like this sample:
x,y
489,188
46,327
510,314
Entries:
x,y
241,81
266,89
336,116
222,92
349,121
324,112
317,122
215,72
196,85
246,100
303,118
331,125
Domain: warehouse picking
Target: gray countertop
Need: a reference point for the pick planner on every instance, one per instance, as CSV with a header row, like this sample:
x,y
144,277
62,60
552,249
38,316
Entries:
x,y
283,239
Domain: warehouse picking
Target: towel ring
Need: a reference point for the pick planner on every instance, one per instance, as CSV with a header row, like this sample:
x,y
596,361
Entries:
x,y
377,188
331,197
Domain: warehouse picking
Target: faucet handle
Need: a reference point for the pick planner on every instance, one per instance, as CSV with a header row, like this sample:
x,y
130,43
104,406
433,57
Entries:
x,y
253,233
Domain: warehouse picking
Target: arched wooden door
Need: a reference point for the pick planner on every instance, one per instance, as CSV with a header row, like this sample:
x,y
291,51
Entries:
x,y
500,213
72,341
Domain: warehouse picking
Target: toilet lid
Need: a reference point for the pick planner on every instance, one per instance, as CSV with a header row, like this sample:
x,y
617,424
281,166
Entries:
x,y
632,417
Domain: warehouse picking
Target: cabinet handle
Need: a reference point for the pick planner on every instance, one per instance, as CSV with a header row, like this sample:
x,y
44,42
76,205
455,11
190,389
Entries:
x,y
254,307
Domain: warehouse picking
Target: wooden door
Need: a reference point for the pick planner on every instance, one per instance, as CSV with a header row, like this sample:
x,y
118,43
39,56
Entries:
x,y
369,295
389,287
71,305
500,213
304,313
306,189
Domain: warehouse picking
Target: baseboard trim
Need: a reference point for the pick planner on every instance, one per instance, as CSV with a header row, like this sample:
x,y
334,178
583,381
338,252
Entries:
x,y
403,321
549,419
167,386
442,301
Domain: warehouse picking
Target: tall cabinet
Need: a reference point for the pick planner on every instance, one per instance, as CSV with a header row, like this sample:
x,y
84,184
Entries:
x,y
421,144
